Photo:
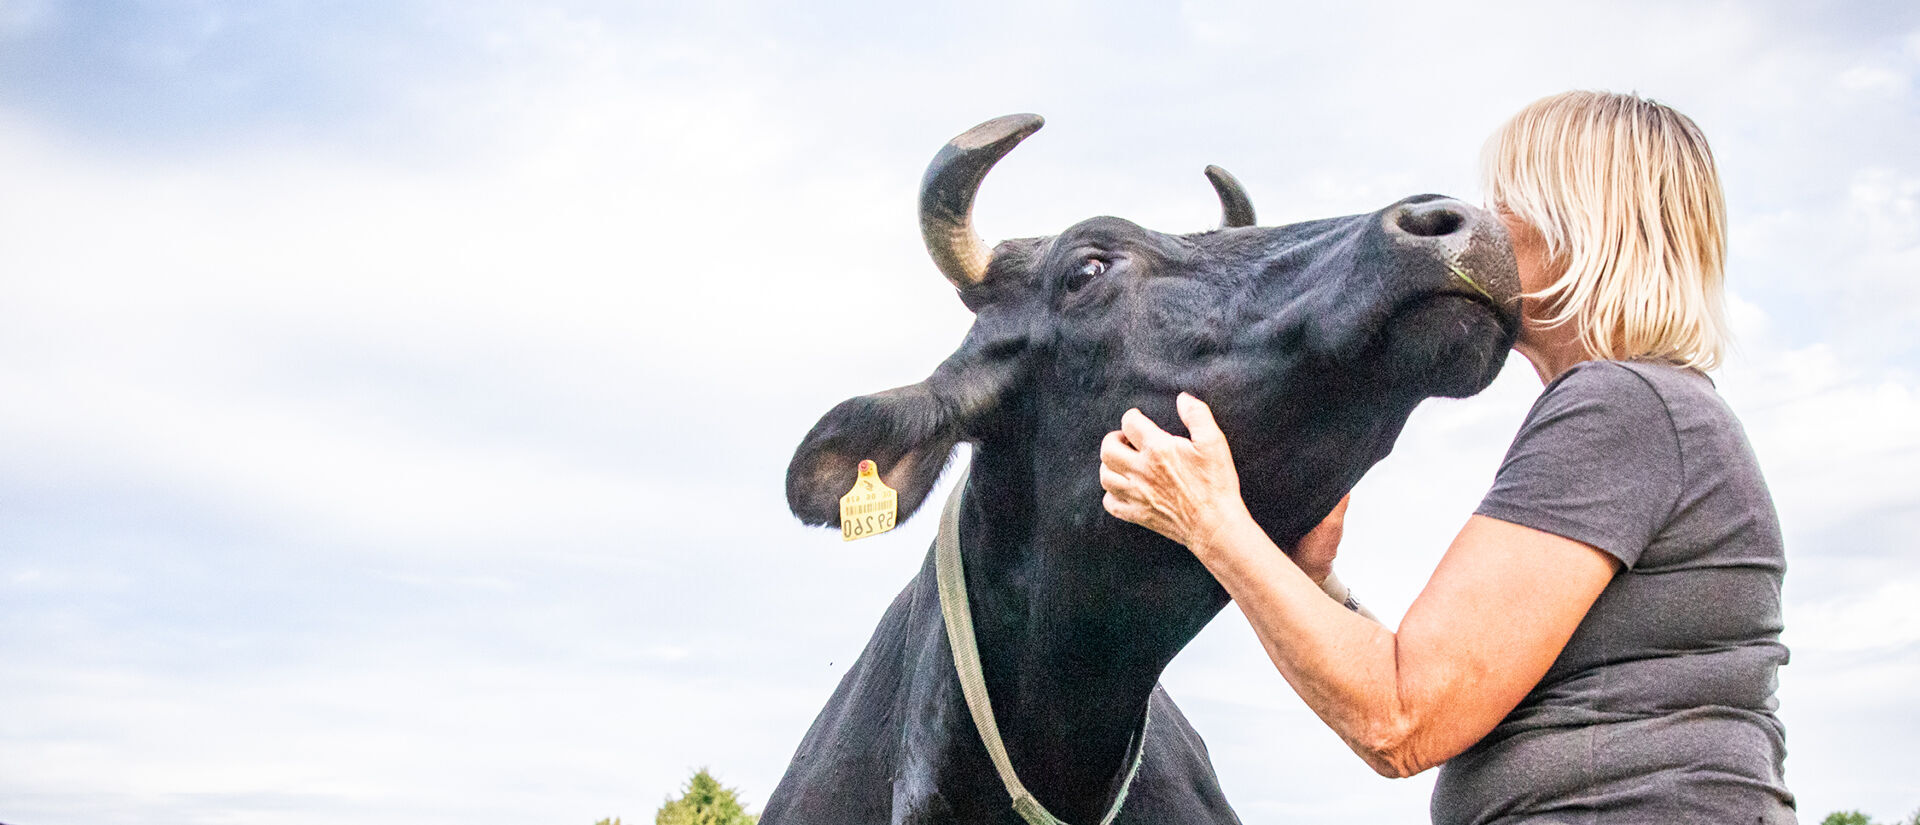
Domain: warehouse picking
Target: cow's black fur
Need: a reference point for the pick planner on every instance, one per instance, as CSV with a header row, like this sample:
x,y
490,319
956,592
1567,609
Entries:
x,y
1312,342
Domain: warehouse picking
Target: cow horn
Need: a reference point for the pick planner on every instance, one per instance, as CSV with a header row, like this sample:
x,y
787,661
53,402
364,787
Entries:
x,y
1236,209
946,195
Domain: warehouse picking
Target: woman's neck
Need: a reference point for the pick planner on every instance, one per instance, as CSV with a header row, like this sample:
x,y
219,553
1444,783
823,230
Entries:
x,y
1551,349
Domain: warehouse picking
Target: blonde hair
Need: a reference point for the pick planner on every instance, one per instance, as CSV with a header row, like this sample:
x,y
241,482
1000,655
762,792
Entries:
x,y
1624,192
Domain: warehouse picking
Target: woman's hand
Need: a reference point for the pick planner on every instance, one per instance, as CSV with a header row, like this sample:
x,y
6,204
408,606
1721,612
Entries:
x,y
1317,548
1183,488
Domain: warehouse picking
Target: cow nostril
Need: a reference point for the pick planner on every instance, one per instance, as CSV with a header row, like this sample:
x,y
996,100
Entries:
x,y
1434,222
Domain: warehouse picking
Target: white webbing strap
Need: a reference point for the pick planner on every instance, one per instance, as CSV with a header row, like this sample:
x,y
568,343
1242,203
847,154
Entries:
x,y
951,575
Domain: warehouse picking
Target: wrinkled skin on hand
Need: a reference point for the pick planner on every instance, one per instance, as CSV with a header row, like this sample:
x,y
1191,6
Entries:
x,y
1187,489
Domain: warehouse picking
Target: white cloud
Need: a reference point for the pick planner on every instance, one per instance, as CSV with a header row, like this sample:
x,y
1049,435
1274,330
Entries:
x,y
1885,206
25,15
1874,79
1880,618
1834,435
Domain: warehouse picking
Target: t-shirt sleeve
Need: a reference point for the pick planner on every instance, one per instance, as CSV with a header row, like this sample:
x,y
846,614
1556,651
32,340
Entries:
x,y
1597,461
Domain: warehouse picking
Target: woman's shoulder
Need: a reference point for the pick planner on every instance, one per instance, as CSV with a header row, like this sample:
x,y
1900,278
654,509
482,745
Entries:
x,y
1656,375
1647,403
1607,389
1646,383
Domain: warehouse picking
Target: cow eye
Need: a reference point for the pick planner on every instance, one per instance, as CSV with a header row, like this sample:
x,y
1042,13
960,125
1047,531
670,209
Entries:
x,y
1090,269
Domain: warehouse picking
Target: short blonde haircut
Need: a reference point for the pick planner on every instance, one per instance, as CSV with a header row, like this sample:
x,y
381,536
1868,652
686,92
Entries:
x,y
1624,192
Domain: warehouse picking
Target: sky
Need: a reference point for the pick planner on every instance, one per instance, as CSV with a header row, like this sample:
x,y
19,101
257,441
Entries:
x,y
395,397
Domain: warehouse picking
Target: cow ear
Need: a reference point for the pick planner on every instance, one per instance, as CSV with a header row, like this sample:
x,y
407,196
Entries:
x,y
903,430
909,432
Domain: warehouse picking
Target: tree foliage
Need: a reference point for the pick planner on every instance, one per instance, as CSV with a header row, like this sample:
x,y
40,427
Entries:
x,y
1858,818
704,802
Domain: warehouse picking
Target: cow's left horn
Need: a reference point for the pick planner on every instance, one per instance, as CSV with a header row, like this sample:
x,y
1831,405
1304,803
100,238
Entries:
x,y
1236,209
946,195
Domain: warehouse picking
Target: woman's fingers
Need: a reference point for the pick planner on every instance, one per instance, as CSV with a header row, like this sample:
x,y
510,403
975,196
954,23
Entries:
x,y
1115,452
1126,509
1139,429
1199,419
1123,471
1178,487
1202,429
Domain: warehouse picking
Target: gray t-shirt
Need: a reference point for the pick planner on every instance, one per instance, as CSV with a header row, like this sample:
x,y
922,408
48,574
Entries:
x,y
1660,708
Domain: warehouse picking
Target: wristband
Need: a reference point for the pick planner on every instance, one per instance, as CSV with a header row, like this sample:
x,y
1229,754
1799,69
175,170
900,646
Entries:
x,y
1334,588
1339,592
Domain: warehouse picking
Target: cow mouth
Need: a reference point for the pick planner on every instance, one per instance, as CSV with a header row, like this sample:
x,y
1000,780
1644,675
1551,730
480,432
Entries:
x,y
1507,312
1508,320
1450,343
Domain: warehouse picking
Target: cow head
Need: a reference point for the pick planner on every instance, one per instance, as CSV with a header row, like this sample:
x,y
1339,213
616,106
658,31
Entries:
x,y
1313,342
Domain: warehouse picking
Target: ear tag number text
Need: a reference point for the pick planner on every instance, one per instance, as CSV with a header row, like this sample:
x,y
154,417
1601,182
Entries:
x,y
869,508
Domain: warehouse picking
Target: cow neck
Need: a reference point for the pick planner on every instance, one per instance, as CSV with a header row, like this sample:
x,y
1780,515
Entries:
x,y
957,616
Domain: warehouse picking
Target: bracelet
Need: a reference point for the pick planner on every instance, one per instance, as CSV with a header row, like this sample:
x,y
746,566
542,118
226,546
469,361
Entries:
x,y
1339,592
1335,589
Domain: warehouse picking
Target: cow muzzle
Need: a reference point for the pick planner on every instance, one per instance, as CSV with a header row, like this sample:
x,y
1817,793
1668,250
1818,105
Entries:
x,y
1470,243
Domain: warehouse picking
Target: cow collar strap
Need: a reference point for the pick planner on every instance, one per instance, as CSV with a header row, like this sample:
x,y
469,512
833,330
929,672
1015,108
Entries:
x,y
973,684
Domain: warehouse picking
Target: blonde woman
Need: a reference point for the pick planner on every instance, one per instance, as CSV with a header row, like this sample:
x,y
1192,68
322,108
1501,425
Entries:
x,y
1599,643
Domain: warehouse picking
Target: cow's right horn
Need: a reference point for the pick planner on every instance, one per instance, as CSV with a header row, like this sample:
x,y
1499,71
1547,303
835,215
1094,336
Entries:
x,y
946,195
1236,209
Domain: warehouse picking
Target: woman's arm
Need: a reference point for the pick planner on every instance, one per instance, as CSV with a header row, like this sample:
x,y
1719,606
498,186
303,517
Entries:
x,y
1495,615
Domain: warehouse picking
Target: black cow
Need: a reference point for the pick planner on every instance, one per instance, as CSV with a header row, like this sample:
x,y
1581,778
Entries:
x,y
1313,343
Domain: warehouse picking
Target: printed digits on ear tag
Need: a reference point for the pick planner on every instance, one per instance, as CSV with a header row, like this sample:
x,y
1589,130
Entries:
x,y
870,507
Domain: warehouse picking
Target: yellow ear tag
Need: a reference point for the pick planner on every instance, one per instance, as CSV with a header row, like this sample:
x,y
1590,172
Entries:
x,y
867,509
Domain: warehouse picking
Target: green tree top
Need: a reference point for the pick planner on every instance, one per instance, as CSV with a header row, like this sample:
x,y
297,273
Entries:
x,y
705,802
1858,818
